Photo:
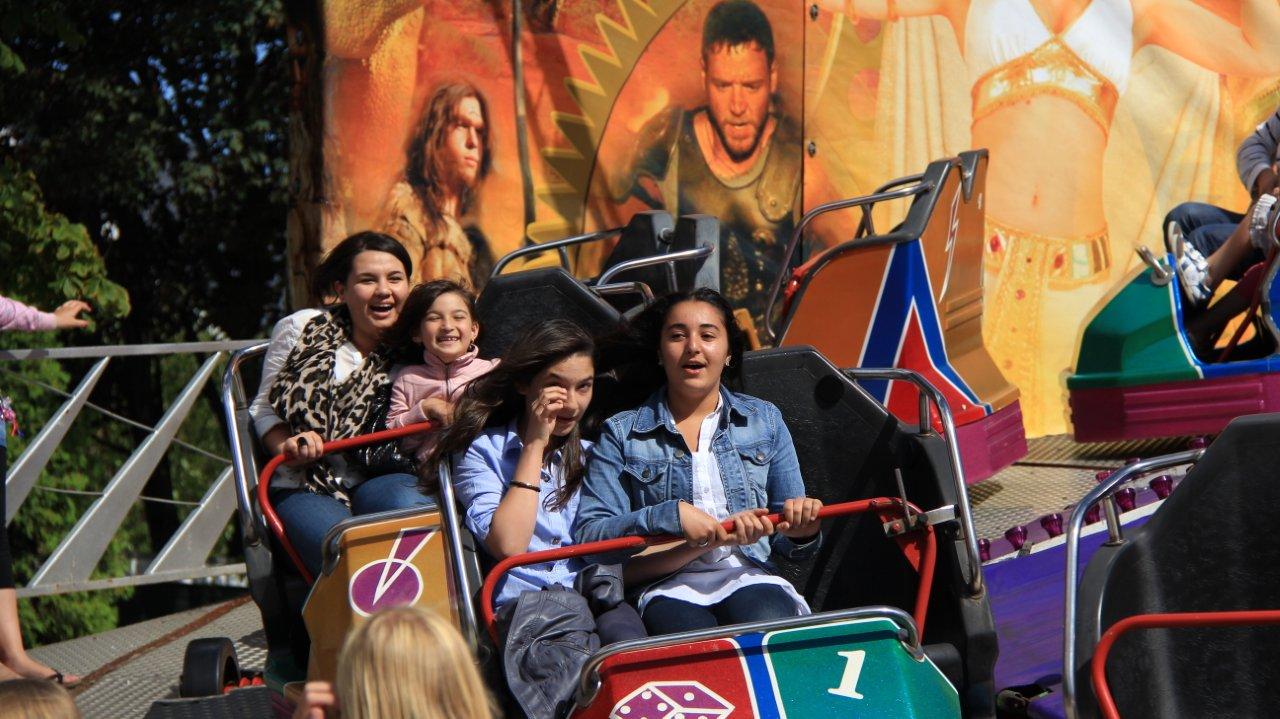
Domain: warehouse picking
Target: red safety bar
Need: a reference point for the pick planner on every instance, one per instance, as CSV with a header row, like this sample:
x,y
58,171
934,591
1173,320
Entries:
x,y
338,445
881,505
1098,669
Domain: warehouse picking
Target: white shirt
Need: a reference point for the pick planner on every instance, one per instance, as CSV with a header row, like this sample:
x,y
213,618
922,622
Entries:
x,y
284,337
712,577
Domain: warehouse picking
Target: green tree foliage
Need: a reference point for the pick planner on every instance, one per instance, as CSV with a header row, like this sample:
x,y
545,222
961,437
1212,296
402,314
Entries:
x,y
160,127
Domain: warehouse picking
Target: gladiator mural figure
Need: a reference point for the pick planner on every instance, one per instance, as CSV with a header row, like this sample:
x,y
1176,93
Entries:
x,y
736,157
449,157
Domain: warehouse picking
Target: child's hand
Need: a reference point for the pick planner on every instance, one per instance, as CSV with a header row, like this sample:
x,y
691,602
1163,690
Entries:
x,y
318,702
438,410
800,517
701,530
542,409
750,525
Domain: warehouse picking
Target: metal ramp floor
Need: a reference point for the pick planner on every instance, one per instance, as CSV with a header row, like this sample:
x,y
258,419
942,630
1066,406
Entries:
x,y
128,669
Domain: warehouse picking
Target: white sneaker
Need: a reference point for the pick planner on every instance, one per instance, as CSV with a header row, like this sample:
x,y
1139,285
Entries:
x,y
1193,273
1262,223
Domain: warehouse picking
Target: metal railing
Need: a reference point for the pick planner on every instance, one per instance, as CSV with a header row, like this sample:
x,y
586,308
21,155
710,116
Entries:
x,y
867,203
930,394
1074,527
184,556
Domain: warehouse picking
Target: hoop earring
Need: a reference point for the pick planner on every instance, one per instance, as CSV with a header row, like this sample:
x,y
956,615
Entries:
x,y
471,347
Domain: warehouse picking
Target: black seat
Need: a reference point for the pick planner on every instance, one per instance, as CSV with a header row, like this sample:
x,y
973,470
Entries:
x,y
653,233
1210,547
848,446
277,588
512,303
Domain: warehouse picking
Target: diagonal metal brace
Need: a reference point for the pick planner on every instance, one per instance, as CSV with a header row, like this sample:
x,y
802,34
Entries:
x,y
25,472
190,545
76,557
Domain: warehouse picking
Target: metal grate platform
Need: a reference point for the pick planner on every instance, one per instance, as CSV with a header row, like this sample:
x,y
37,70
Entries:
x,y
127,669
1056,473
130,668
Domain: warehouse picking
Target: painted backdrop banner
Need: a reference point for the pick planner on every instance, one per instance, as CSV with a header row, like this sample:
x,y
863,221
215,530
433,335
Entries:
x,y
1099,117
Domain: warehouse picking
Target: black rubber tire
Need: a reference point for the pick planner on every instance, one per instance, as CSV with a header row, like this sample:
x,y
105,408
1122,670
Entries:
x,y
207,667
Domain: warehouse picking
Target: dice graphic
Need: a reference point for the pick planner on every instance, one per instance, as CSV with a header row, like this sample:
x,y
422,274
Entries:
x,y
672,700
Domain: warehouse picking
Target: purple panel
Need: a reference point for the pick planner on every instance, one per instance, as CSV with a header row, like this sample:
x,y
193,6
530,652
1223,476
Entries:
x,y
1027,595
1172,408
992,443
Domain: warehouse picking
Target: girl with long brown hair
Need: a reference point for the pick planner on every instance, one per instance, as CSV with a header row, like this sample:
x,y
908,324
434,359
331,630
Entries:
x,y
518,453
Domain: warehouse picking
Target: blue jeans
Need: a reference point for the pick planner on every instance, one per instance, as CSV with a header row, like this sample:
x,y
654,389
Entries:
x,y
752,603
1206,227
308,516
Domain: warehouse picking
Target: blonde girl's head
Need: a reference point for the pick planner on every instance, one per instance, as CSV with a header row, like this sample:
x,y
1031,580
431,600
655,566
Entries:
x,y
409,663
36,699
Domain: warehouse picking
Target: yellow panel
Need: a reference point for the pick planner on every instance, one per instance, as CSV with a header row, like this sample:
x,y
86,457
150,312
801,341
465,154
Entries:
x,y
388,563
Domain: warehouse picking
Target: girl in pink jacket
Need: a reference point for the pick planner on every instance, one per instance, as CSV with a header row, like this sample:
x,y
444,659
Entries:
x,y
439,316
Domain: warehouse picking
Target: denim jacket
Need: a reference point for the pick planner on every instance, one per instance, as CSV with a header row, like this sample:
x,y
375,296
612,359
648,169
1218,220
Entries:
x,y
640,469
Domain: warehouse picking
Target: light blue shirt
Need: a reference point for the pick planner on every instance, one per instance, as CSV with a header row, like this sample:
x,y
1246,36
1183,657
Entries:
x,y
481,477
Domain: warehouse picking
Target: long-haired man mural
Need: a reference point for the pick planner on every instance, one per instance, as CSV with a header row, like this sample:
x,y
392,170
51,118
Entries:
x,y
449,156
1045,77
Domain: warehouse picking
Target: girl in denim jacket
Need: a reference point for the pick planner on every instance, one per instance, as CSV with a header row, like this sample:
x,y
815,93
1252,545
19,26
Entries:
x,y
690,457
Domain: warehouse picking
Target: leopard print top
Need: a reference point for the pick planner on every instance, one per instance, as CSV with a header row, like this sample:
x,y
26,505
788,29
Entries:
x,y
307,397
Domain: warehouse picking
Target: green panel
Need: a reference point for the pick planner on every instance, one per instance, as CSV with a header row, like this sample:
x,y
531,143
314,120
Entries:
x,y
1133,340
855,669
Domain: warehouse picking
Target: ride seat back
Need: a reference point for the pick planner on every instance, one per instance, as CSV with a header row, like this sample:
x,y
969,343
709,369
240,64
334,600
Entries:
x,y
653,233
849,445
1210,547
274,583
911,298
512,303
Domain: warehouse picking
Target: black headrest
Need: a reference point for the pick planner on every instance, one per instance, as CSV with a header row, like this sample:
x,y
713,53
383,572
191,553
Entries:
x,y
512,303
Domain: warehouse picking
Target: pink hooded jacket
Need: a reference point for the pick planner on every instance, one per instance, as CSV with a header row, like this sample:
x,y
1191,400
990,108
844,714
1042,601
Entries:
x,y
434,378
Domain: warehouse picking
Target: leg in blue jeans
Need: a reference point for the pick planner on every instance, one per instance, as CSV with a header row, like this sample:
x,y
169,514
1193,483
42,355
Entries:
x,y
663,615
754,603
390,491
307,516
1206,227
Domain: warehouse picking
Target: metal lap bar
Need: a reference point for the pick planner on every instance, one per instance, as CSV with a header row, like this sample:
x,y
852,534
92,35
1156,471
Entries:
x,y
337,445
626,288
929,393
669,259
553,245
1074,526
1176,620
233,398
865,201
589,679
453,533
928,557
